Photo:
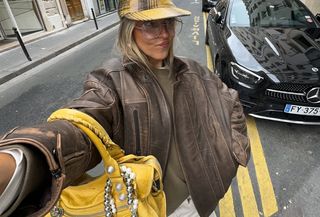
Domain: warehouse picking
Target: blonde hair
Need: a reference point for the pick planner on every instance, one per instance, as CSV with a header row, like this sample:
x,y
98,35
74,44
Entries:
x,y
130,49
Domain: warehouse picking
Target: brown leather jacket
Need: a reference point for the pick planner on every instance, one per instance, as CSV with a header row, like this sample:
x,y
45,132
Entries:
x,y
208,118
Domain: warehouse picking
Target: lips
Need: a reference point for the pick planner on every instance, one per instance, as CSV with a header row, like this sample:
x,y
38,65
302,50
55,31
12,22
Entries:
x,y
164,44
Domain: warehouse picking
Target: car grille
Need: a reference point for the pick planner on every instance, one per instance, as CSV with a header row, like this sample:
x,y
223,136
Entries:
x,y
289,92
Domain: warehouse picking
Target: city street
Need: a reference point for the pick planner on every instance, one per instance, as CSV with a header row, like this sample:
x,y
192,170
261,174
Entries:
x,y
282,179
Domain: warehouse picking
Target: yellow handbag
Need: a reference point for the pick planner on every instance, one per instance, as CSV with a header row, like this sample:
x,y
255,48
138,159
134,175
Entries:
x,y
130,186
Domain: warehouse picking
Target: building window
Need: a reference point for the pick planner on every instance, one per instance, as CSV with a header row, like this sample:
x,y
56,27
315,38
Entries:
x,y
25,14
106,6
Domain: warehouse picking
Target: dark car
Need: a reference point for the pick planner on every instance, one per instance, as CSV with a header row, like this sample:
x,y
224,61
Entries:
x,y
268,50
208,4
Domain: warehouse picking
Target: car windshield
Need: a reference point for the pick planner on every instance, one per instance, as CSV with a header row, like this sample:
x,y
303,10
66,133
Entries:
x,y
269,13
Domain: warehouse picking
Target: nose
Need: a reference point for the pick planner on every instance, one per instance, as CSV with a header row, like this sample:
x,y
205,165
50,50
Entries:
x,y
164,31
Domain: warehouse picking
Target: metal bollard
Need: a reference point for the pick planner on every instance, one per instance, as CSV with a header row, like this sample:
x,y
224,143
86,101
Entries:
x,y
21,43
94,18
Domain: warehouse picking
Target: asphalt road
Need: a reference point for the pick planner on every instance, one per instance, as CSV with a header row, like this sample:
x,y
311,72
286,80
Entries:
x,y
31,97
282,178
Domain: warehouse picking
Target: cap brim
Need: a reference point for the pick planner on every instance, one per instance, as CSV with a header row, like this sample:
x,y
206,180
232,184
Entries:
x,y
157,14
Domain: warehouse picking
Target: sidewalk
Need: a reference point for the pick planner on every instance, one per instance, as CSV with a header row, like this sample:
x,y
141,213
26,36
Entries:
x,y
13,62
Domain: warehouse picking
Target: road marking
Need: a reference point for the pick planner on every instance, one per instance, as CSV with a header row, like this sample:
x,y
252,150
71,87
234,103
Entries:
x,y
248,200
268,199
247,196
209,58
226,205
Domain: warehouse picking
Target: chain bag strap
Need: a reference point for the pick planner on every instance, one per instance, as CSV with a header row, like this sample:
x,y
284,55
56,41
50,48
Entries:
x,y
132,184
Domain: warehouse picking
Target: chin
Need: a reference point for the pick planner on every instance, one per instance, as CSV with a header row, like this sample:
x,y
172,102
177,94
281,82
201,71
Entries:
x,y
162,56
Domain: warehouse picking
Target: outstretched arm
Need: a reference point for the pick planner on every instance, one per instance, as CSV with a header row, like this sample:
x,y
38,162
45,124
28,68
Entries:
x,y
66,151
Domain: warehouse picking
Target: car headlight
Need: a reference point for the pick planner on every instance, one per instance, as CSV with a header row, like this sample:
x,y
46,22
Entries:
x,y
244,76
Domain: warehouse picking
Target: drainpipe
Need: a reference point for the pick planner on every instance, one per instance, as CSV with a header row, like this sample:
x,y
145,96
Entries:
x,y
6,4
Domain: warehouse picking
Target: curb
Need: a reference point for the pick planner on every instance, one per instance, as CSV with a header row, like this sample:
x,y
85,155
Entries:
x,y
27,67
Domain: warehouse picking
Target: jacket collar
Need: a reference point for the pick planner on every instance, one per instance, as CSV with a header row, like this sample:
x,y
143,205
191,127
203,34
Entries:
x,y
179,65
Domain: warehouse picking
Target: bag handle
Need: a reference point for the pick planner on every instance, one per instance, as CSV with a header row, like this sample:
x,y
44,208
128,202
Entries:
x,y
108,150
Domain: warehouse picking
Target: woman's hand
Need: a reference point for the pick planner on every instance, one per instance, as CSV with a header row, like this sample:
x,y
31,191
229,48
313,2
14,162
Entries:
x,y
7,168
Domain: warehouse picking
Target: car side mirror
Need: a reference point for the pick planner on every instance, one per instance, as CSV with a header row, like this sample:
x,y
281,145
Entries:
x,y
216,15
318,17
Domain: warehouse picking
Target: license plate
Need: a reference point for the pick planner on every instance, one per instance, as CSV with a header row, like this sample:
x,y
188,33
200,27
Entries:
x,y
302,110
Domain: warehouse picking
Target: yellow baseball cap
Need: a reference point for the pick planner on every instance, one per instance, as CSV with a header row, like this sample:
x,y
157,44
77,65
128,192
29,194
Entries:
x,y
145,10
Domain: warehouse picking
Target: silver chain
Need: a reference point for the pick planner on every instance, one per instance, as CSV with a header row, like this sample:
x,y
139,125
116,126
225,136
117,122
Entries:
x,y
128,178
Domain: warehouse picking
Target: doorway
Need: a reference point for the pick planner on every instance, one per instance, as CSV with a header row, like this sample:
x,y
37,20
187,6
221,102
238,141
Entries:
x,y
75,9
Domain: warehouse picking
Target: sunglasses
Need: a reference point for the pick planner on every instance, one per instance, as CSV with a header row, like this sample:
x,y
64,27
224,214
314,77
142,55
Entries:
x,y
152,29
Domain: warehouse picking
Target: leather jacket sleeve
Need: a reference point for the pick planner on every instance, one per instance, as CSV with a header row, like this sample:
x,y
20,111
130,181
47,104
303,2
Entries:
x,y
240,140
239,137
212,129
100,100
67,150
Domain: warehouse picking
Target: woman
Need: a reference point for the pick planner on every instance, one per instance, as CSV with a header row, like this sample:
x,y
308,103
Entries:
x,y
150,102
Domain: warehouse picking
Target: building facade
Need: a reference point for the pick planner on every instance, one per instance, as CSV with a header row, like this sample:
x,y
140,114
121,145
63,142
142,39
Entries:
x,y
313,5
31,16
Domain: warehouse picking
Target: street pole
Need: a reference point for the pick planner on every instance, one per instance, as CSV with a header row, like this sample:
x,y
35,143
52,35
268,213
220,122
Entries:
x,y
94,18
22,44
16,30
